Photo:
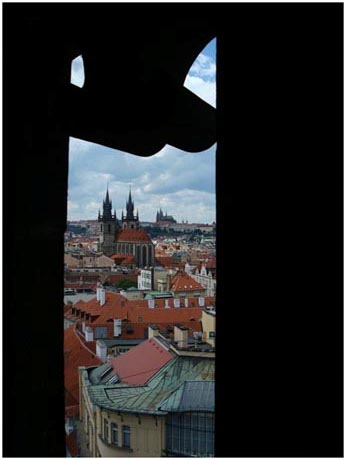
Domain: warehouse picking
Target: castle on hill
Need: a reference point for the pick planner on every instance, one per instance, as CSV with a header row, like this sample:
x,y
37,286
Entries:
x,y
164,218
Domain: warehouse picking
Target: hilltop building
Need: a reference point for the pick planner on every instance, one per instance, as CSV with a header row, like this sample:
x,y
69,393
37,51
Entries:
x,y
125,237
162,218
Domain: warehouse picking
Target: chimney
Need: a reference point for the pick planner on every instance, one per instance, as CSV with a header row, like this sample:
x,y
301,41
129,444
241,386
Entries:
x,y
180,336
176,303
169,281
153,331
102,297
89,334
117,327
151,303
101,350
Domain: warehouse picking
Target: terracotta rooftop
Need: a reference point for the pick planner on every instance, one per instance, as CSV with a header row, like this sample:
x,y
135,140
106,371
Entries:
x,y
135,235
184,283
80,285
76,353
118,306
165,261
71,444
139,364
119,257
128,260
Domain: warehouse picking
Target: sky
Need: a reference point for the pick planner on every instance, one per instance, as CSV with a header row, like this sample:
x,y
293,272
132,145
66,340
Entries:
x,y
181,183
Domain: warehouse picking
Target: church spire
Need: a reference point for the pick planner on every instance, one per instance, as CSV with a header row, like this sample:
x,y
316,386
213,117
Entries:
x,y
107,209
130,207
130,220
107,196
130,198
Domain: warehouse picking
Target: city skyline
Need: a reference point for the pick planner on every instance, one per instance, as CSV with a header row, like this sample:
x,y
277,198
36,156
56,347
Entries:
x,y
181,183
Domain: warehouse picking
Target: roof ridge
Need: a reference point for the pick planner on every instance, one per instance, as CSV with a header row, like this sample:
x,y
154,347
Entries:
x,y
83,345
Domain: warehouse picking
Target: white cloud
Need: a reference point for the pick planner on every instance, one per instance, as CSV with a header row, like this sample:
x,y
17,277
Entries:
x,y
201,79
206,90
79,146
204,67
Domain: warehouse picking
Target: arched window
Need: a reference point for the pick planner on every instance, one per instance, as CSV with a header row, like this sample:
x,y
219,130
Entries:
x,y
144,256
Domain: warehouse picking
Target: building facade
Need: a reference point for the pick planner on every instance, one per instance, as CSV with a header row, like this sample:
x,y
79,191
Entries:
x,y
203,277
156,400
125,237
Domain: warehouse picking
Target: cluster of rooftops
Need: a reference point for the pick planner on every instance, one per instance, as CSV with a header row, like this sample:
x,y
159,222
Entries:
x,y
153,379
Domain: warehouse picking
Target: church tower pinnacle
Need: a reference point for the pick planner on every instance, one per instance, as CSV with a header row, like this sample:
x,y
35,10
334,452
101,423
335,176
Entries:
x,y
108,226
130,220
107,210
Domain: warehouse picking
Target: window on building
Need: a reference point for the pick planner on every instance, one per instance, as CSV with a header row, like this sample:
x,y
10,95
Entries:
x,y
140,319
109,228
105,429
190,434
126,436
114,433
101,332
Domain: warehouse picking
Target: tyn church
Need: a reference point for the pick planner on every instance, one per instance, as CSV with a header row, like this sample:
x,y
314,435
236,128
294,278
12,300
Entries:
x,y
126,236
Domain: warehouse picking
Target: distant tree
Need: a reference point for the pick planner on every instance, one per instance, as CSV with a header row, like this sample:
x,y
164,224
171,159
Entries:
x,y
76,229
126,284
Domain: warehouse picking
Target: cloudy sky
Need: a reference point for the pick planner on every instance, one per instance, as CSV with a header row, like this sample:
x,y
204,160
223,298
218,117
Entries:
x,y
181,183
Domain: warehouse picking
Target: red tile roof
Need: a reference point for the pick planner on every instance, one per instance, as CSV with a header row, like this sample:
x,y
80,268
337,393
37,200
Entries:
x,y
183,282
71,443
132,234
116,277
165,261
80,285
139,364
76,353
128,260
118,257
117,306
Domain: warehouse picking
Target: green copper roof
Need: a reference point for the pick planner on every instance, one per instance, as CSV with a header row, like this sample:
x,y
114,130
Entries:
x,y
166,390
198,395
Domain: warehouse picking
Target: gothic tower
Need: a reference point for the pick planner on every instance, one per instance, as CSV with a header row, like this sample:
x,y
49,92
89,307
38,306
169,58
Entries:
x,y
130,220
108,227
